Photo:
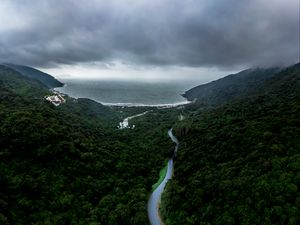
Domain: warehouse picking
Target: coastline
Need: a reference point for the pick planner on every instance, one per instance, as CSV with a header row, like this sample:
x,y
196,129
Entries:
x,y
166,105
130,104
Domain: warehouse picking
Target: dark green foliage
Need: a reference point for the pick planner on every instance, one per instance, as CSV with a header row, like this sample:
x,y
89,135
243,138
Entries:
x,y
30,72
70,164
232,87
90,111
237,164
13,82
240,164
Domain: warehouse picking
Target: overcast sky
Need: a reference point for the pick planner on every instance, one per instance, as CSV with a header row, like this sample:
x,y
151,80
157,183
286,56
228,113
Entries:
x,y
165,37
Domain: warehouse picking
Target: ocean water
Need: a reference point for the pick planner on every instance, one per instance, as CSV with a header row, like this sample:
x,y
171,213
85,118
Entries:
x,y
127,92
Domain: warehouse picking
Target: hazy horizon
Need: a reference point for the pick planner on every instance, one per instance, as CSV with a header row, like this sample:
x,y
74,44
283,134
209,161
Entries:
x,y
135,74
159,39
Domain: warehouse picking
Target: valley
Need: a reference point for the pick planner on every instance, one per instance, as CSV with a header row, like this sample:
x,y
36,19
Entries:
x,y
160,112
238,160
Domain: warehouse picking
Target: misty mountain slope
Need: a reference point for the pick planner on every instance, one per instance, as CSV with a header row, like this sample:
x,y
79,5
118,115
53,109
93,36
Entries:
x,y
240,164
45,78
230,88
13,81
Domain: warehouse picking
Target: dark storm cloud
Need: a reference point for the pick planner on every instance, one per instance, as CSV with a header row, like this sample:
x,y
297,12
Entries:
x,y
158,32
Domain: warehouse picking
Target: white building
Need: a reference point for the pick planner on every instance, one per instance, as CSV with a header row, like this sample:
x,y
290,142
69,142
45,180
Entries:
x,y
56,99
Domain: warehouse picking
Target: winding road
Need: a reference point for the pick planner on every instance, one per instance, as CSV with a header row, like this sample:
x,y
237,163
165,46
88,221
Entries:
x,y
154,201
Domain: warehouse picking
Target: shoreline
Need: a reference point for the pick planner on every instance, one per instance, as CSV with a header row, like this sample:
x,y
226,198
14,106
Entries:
x,y
163,105
129,104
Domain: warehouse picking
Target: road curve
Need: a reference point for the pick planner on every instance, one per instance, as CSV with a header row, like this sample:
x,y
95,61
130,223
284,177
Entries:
x,y
154,201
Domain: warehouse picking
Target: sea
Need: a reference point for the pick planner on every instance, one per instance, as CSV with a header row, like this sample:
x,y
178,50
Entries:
x,y
129,92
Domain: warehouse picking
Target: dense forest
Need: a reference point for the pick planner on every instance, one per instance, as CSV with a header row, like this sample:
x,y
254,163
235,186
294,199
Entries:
x,y
70,164
33,73
231,87
240,163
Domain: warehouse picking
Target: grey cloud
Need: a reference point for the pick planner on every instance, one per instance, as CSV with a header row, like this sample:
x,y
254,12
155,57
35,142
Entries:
x,y
159,32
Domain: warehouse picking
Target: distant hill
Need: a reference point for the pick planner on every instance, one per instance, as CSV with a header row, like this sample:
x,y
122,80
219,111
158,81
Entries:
x,y
231,87
45,78
15,83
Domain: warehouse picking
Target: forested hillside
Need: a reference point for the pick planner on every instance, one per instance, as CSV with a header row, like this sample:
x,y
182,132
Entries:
x,y
33,73
238,160
69,164
231,87
240,164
